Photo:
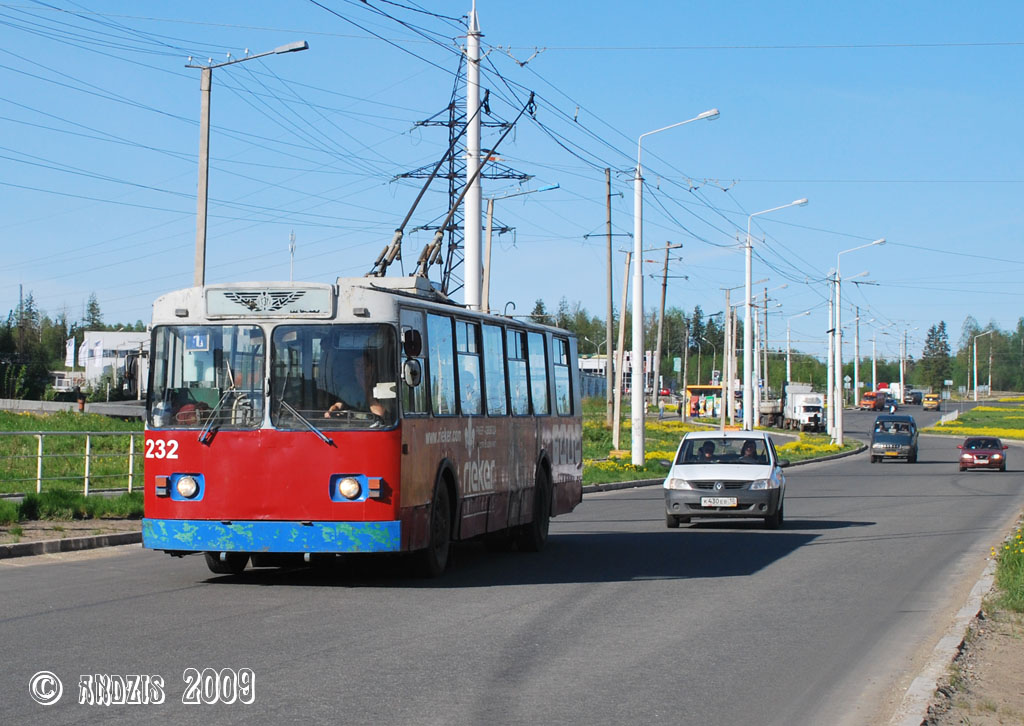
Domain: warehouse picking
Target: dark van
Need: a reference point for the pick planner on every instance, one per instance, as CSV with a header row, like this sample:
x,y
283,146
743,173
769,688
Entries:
x,y
894,437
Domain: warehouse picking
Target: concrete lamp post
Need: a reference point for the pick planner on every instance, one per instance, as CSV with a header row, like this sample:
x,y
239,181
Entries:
x,y
202,192
748,337
838,377
637,378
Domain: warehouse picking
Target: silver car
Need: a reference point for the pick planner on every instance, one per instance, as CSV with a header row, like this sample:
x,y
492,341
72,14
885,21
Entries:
x,y
726,474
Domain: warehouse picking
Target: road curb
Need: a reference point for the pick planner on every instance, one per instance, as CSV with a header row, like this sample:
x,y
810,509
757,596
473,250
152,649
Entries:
x,y
68,544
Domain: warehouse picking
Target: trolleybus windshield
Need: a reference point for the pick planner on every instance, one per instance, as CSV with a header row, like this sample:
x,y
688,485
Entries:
x,y
334,376
207,376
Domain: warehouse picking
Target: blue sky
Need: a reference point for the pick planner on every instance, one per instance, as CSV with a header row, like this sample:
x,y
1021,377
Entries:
x,y
896,120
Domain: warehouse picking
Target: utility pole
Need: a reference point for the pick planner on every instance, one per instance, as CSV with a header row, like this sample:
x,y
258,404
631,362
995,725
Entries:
x,y
726,362
661,321
903,355
619,354
874,363
764,367
686,367
830,367
733,367
472,277
856,357
609,372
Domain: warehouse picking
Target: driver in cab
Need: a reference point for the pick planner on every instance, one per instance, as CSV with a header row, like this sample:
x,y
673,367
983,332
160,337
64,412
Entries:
x,y
353,387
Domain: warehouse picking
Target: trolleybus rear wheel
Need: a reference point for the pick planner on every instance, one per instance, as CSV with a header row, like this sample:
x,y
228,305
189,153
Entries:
x,y
433,560
533,536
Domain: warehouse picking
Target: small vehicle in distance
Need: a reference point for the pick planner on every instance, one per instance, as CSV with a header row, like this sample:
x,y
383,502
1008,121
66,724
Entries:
x,y
726,474
913,398
931,402
872,401
894,437
890,404
982,452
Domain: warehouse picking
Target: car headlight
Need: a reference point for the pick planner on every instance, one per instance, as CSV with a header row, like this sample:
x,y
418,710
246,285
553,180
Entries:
x,y
187,486
997,456
349,488
966,456
675,483
761,484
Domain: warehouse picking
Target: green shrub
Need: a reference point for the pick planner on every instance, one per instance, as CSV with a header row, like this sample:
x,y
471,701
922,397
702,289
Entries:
x,y
8,513
72,505
29,507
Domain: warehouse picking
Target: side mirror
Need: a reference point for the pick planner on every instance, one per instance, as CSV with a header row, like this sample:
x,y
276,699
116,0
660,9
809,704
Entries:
x,y
412,343
1005,447
783,463
412,372
960,446
668,464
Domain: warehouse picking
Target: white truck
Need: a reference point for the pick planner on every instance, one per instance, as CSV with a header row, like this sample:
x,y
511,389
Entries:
x,y
804,410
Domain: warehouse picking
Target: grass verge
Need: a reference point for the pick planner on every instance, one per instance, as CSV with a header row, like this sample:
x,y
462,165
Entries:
x,y
602,464
64,456
1004,419
61,505
1010,572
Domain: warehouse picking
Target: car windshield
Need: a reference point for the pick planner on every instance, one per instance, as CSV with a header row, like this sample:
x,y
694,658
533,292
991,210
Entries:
x,y
333,376
207,375
975,444
723,451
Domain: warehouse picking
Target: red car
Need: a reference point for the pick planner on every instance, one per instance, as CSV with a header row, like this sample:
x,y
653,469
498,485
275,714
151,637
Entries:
x,y
982,452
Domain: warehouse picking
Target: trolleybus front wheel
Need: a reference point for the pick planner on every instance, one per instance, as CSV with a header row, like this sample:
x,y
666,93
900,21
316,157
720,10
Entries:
x,y
233,563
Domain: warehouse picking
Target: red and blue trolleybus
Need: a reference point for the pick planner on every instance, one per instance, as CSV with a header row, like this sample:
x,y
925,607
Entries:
x,y
289,420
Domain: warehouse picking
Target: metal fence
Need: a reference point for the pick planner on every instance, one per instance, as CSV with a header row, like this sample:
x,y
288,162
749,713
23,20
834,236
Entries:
x,y
96,459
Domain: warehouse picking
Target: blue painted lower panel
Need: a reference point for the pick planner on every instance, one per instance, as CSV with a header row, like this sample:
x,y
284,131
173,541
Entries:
x,y
198,535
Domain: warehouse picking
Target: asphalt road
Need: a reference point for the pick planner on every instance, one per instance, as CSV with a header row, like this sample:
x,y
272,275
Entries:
x,y
619,620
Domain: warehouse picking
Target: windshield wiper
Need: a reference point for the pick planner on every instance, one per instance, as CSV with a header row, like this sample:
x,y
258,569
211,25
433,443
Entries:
x,y
302,419
206,435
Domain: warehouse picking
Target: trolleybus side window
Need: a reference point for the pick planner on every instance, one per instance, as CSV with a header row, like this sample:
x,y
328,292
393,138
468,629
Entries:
x,y
467,340
334,376
494,371
442,364
538,374
207,374
415,399
517,380
563,389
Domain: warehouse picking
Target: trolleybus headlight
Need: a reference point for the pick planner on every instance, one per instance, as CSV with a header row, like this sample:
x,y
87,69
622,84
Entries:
x,y
349,488
187,486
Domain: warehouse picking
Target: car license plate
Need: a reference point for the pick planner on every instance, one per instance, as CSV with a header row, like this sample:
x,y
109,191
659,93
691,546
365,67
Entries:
x,y
892,453
718,501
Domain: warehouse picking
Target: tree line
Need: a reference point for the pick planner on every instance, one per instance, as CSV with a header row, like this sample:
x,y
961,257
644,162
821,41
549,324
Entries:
x,y
702,338
33,343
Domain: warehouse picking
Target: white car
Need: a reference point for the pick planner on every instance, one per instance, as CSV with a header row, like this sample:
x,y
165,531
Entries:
x,y
726,474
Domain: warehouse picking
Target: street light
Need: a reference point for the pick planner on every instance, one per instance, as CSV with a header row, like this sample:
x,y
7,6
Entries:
x,y
789,352
637,398
838,377
597,344
748,339
729,354
987,332
202,192
714,354
486,291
